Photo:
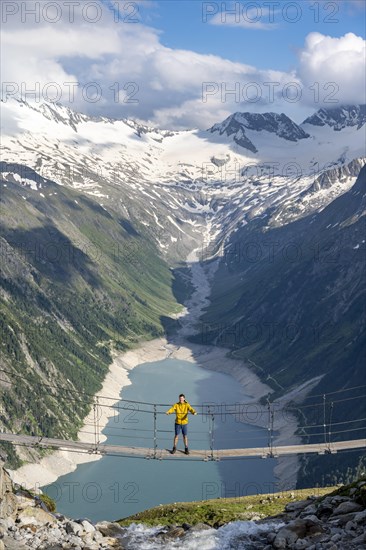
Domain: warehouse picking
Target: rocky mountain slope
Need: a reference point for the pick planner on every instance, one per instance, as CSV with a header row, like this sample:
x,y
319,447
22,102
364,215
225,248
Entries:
x,y
77,282
100,215
290,298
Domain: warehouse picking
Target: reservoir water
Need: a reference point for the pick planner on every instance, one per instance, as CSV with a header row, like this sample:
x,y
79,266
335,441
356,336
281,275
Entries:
x,y
115,487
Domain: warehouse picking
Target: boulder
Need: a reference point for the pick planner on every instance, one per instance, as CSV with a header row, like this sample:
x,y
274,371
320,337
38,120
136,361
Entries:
x,y
97,536
360,516
220,523
337,499
296,506
112,543
110,529
56,532
200,527
175,532
75,541
11,544
312,518
73,528
297,529
24,502
309,510
347,507
325,508
288,535
32,515
88,541
87,526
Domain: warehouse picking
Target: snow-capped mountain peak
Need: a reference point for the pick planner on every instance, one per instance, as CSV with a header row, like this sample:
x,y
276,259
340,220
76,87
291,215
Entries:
x,y
61,114
183,181
339,118
238,124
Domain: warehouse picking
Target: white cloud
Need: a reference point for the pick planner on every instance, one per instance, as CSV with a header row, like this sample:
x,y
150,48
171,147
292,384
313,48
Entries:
x,y
336,64
141,78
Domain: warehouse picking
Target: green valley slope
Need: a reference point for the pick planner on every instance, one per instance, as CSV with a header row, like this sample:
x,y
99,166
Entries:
x,y
76,281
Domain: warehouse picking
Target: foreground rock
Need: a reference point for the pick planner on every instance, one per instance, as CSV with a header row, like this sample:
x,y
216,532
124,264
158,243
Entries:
x,y
336,521
54,533
332,522
26,523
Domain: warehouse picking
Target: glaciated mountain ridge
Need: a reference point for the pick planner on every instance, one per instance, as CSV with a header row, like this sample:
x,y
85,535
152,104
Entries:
x,y
61,114
339,118
122,204
177,182
278,124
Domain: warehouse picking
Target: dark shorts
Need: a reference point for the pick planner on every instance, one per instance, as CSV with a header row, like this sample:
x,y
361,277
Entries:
x,y
181,428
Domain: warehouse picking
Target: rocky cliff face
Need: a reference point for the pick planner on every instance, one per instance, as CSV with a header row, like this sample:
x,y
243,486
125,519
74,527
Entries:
x,y
338,174
7,498
279,124
8,503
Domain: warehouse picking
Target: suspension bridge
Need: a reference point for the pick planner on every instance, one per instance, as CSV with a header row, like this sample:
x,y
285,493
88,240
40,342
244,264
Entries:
x,y
137,429
205,455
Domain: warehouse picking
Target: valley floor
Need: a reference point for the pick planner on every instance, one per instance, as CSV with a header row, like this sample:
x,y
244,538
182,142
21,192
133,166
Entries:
x,y
209,357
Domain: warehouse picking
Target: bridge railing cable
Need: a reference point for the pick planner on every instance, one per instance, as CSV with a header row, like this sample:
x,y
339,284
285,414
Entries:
x,y
307,430
73,390
209,412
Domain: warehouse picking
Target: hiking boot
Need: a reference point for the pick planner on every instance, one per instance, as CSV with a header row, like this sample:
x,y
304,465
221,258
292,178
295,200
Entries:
x,y
173,450
186,451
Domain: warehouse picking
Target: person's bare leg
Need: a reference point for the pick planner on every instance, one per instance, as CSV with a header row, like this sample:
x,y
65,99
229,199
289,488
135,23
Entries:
x,y
175,441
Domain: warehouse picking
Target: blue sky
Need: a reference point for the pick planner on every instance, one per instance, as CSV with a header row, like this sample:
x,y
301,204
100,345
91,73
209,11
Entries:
x,y
275,47
171,63
183,27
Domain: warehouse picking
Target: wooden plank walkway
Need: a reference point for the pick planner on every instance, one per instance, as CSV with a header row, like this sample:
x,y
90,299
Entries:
x,y
160,454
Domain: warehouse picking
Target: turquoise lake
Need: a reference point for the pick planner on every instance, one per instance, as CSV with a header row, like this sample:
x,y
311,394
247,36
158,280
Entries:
x,y
115,487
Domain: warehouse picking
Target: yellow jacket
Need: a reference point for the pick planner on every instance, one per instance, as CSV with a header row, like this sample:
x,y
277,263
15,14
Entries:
x,y
181,411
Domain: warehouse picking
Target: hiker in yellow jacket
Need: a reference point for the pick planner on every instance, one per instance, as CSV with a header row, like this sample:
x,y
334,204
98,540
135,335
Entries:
x,y
181,410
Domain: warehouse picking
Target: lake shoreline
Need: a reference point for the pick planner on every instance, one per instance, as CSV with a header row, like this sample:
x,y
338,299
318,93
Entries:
x,y
48,469
215,359
59,463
